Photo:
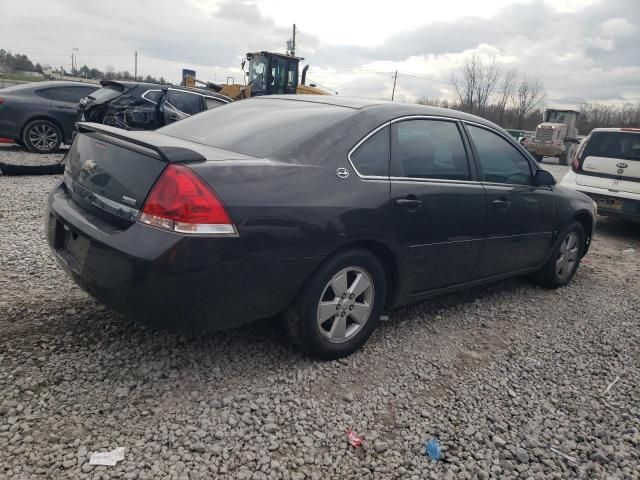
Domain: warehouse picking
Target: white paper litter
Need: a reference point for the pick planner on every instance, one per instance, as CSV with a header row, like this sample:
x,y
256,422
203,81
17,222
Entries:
x,y
108,459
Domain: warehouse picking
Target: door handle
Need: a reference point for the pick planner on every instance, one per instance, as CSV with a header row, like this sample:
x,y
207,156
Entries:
x,y
173,117
410,204
502,203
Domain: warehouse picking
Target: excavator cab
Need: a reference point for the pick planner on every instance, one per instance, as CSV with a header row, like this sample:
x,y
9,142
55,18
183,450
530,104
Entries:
x,y
272,73
268,74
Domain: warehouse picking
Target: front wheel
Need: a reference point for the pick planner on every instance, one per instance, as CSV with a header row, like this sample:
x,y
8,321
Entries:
x,y
42,136
340,306
565,259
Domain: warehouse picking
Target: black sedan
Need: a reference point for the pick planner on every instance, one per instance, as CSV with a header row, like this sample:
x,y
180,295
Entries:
x,y
40,115
329,210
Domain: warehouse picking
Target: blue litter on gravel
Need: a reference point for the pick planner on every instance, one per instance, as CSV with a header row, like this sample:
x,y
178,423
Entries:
x,y
432,449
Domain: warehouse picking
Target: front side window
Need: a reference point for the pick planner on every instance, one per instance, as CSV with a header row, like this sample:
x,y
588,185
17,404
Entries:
x,y
186,102
371,158
428,149
499,161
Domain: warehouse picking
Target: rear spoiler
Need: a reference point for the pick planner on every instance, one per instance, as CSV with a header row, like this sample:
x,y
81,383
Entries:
x,y
167,154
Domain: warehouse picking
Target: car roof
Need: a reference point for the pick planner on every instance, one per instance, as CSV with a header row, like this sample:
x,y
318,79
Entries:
x,y
617,129
47,84
157,86
392,109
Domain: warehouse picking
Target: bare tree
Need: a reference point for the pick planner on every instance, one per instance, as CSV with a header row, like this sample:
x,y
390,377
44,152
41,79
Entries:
x,y
505,93
489,74
475,81
529,97
465,82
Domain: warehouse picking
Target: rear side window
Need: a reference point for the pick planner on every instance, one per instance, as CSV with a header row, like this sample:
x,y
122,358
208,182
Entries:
x,y
257,127
108,92
65,94
186,102
613,144
371,158
428,149
499,160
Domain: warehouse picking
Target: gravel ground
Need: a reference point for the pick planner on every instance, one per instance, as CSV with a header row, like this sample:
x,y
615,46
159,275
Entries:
x,y
511,378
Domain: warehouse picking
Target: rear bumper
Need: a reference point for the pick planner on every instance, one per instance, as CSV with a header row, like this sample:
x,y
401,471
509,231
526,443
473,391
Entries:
x,y
630,207
167,280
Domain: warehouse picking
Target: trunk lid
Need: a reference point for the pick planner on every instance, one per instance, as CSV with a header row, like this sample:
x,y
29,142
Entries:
x,y
611,160
110,171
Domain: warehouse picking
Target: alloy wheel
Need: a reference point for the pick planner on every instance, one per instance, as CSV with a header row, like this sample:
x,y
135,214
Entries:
x,y
569,250
345,304
43,136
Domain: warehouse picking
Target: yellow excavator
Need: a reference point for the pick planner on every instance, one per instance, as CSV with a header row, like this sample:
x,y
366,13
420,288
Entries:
x,y
269,73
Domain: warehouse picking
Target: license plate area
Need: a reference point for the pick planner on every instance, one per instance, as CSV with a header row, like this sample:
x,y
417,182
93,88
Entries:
x,y
609,203
71,245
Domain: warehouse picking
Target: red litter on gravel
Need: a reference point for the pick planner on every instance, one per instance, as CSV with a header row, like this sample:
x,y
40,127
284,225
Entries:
x,y
353,438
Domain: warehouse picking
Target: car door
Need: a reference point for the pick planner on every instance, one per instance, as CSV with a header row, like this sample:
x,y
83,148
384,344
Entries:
x,y
439,206
63,103
520,219
179,104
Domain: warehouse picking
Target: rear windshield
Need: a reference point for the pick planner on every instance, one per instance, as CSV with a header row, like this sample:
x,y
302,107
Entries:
x,y
614,144
258,127
106,93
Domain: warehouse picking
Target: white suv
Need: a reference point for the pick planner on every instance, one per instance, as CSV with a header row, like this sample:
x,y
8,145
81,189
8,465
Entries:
x,y
607,168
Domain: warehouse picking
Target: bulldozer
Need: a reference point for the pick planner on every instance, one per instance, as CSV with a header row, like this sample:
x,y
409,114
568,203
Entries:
x,y
268,73
556,136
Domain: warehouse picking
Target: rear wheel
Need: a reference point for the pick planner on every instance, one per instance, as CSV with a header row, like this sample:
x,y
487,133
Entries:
x,y
565,259
340,307
42,136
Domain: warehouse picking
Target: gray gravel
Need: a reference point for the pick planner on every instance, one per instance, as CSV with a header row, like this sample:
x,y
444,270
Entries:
x,y
16,155
509,377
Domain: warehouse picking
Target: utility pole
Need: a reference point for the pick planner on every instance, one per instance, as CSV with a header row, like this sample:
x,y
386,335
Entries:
x,y
135,70
395,78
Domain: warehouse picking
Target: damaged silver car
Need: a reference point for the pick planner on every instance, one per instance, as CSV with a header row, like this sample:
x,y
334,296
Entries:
x,y
145,106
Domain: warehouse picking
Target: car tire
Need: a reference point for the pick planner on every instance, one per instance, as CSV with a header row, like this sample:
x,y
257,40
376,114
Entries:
x,y
565,258
340,286
41,136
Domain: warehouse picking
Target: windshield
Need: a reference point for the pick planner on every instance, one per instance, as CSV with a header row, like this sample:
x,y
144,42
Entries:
x,y
108,92
614,145
557,117
257,73
258,127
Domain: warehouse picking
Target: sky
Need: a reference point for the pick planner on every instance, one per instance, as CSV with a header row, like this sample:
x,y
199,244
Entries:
x,y
582,50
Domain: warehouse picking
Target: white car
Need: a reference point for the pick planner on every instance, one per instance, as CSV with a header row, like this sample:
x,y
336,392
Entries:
x,y
607,168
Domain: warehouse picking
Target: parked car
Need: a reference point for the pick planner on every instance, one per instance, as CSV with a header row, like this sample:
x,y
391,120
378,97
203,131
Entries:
x,y
145,106
606,167
329,209
40,115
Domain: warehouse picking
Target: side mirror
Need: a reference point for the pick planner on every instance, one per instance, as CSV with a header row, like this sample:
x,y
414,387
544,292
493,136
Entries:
x,y
543,178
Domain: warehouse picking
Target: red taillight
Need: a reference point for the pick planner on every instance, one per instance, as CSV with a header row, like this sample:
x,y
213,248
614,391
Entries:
x,y
575,163
180,201
1,100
